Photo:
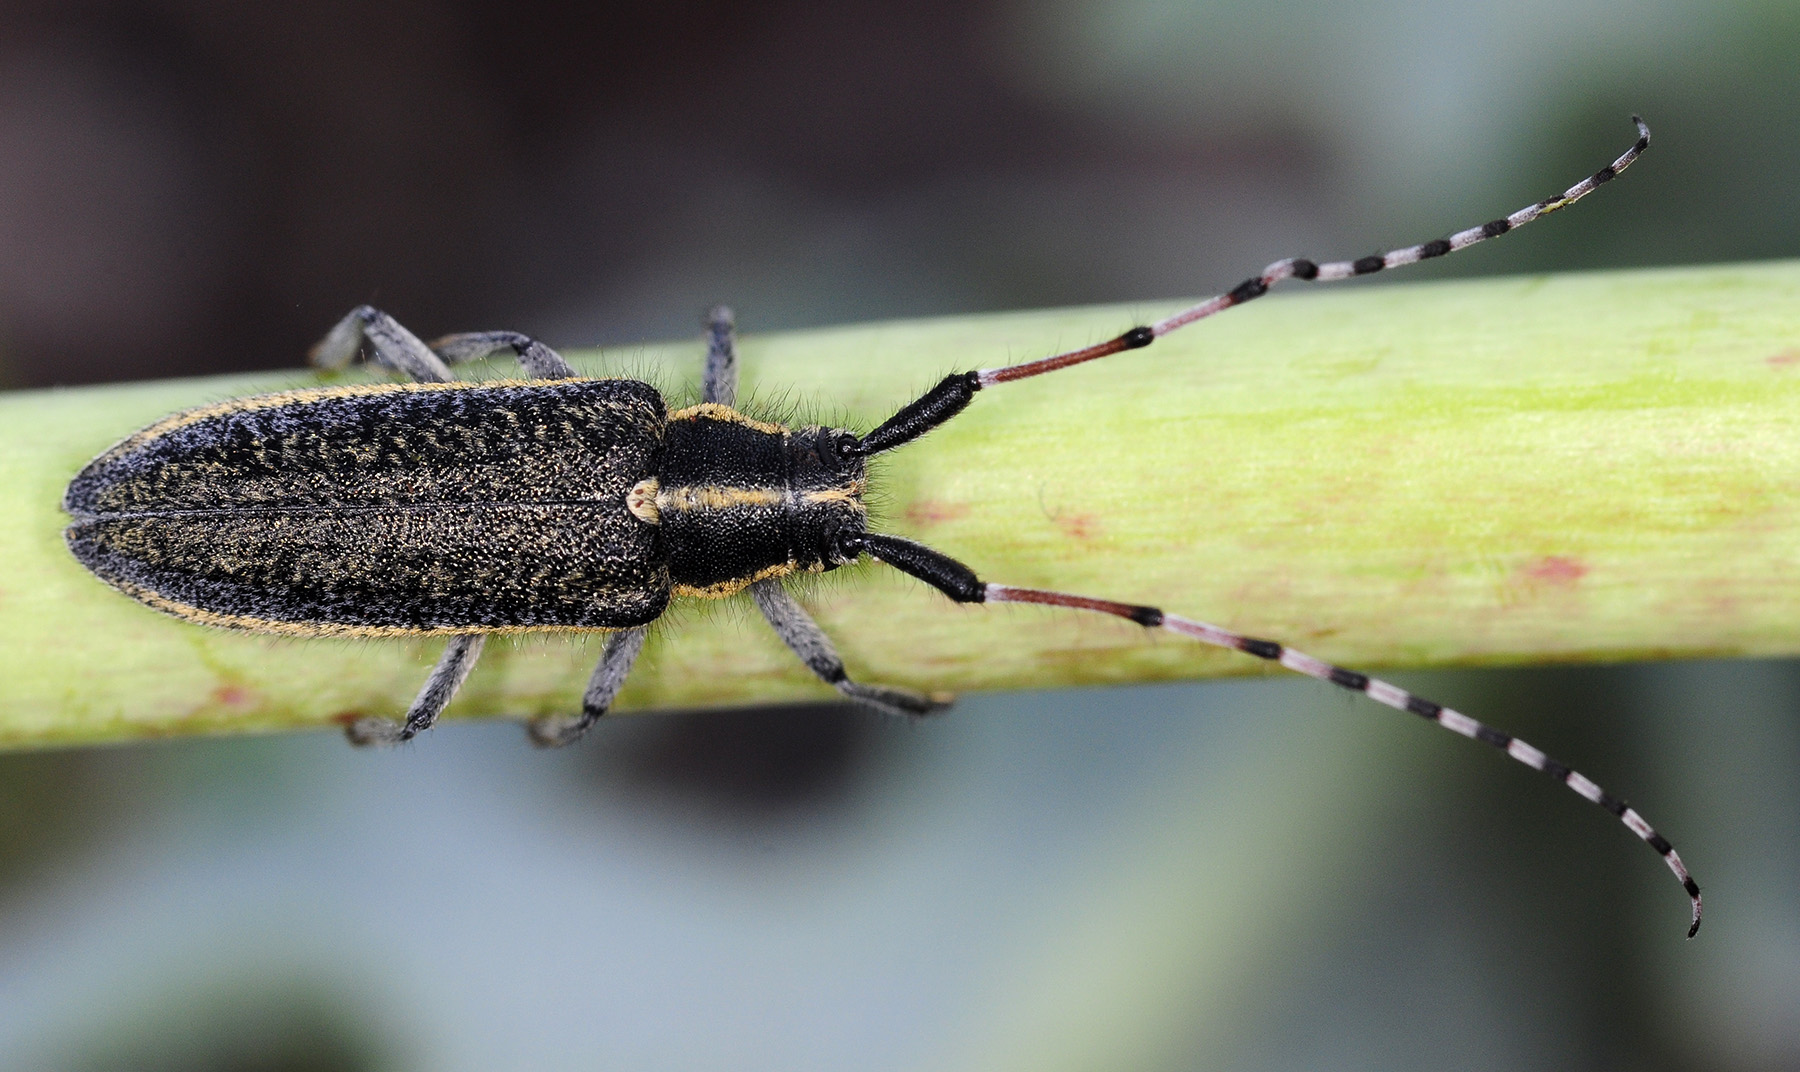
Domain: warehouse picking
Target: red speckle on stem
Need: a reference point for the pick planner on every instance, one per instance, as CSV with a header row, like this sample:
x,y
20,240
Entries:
x,y
1784,359
1559,570
230,695
927,512
1079,526
346,718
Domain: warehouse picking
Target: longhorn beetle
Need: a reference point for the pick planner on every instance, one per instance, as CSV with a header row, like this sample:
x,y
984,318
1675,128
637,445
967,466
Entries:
x,y
564,503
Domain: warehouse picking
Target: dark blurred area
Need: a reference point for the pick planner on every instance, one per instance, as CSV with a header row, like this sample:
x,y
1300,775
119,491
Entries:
x,y
193,187
1103,878
199,187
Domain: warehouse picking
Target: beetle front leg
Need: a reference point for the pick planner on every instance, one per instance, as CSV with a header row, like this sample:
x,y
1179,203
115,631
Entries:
x,y
804,637
719,384
451,671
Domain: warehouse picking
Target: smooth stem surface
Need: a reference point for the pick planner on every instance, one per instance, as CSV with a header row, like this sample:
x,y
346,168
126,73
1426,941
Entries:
x,y
1546,469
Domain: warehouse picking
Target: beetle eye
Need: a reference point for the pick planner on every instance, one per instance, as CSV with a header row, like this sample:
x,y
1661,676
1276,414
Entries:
x,y
847,545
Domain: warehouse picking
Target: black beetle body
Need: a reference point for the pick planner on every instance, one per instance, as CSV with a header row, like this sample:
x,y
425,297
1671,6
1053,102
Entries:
x,y
397,509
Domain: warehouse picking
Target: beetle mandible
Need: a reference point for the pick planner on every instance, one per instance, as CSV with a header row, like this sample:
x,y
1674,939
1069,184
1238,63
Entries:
x,y
560,502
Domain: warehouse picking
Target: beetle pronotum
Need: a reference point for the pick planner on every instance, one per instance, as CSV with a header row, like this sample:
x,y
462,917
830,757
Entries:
x,y
563,503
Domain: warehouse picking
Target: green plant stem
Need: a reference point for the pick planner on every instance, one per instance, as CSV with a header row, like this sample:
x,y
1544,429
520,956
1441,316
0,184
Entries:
x,y
1572,468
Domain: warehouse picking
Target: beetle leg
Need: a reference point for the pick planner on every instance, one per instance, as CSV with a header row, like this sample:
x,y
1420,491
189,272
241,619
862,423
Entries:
x,y
622,650
720,382
797,629
451,671
400,349
394,346
539,361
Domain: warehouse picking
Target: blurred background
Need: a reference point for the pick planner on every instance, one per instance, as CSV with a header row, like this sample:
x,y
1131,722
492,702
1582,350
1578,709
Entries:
x,y
1253,875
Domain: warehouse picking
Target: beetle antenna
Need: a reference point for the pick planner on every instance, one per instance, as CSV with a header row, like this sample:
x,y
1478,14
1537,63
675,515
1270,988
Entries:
x,y
961,584
954,392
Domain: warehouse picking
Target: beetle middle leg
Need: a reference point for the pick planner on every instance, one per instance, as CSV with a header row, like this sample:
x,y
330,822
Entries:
x,y
609,675
451,671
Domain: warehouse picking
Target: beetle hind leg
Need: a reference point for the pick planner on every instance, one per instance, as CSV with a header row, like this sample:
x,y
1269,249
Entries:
x,y
393,346
399,349
804,637
451,671
622,650
539,361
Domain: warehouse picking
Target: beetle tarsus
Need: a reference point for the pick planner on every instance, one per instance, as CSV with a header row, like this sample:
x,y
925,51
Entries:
x,y
558,731
372,732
